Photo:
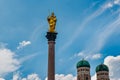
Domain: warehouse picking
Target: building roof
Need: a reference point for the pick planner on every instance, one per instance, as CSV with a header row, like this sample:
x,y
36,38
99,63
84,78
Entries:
x,y
102,67
83,63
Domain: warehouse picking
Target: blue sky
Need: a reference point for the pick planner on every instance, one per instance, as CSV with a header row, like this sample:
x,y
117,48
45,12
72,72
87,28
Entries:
x,y
88,29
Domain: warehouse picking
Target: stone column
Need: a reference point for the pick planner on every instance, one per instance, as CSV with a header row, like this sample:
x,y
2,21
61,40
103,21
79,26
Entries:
x,y
51,36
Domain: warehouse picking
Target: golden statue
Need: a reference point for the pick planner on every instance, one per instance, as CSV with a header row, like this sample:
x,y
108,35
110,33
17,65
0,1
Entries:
x,y
52,22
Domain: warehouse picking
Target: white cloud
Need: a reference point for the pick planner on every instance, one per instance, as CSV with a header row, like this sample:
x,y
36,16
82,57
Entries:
x,y
114,67
80,54
2,45
23,44
93,77
36,77
111,3
116,1
64,77
108,5
16,76
96,56
33,76
2,79
88,56
8,62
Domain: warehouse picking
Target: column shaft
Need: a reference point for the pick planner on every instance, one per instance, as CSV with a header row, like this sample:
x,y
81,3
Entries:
x,y
51,60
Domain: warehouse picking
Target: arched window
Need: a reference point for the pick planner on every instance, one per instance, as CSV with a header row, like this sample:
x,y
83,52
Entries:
x,y
86,78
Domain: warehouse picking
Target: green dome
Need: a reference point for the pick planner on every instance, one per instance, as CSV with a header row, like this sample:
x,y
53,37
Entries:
x,y
83,63
102,67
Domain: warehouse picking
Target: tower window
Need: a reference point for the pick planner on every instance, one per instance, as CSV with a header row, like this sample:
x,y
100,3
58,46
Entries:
x,y
86,78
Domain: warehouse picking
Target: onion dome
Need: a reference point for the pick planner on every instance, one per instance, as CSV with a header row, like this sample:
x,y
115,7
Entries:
x,y
83,63
102,67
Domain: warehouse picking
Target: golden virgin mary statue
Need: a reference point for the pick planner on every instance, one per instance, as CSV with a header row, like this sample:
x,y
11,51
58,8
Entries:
x,y
52,22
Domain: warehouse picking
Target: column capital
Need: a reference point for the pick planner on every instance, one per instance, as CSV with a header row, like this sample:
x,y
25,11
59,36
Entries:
x,y
51,36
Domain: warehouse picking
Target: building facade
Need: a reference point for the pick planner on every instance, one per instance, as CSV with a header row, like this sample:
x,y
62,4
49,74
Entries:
x,y
83,71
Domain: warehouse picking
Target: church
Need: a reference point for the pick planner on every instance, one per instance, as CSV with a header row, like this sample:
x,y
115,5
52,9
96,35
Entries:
x,y
83,71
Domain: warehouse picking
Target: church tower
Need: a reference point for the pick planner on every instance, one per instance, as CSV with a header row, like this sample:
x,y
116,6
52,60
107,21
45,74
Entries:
x,y
102,72
83,70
